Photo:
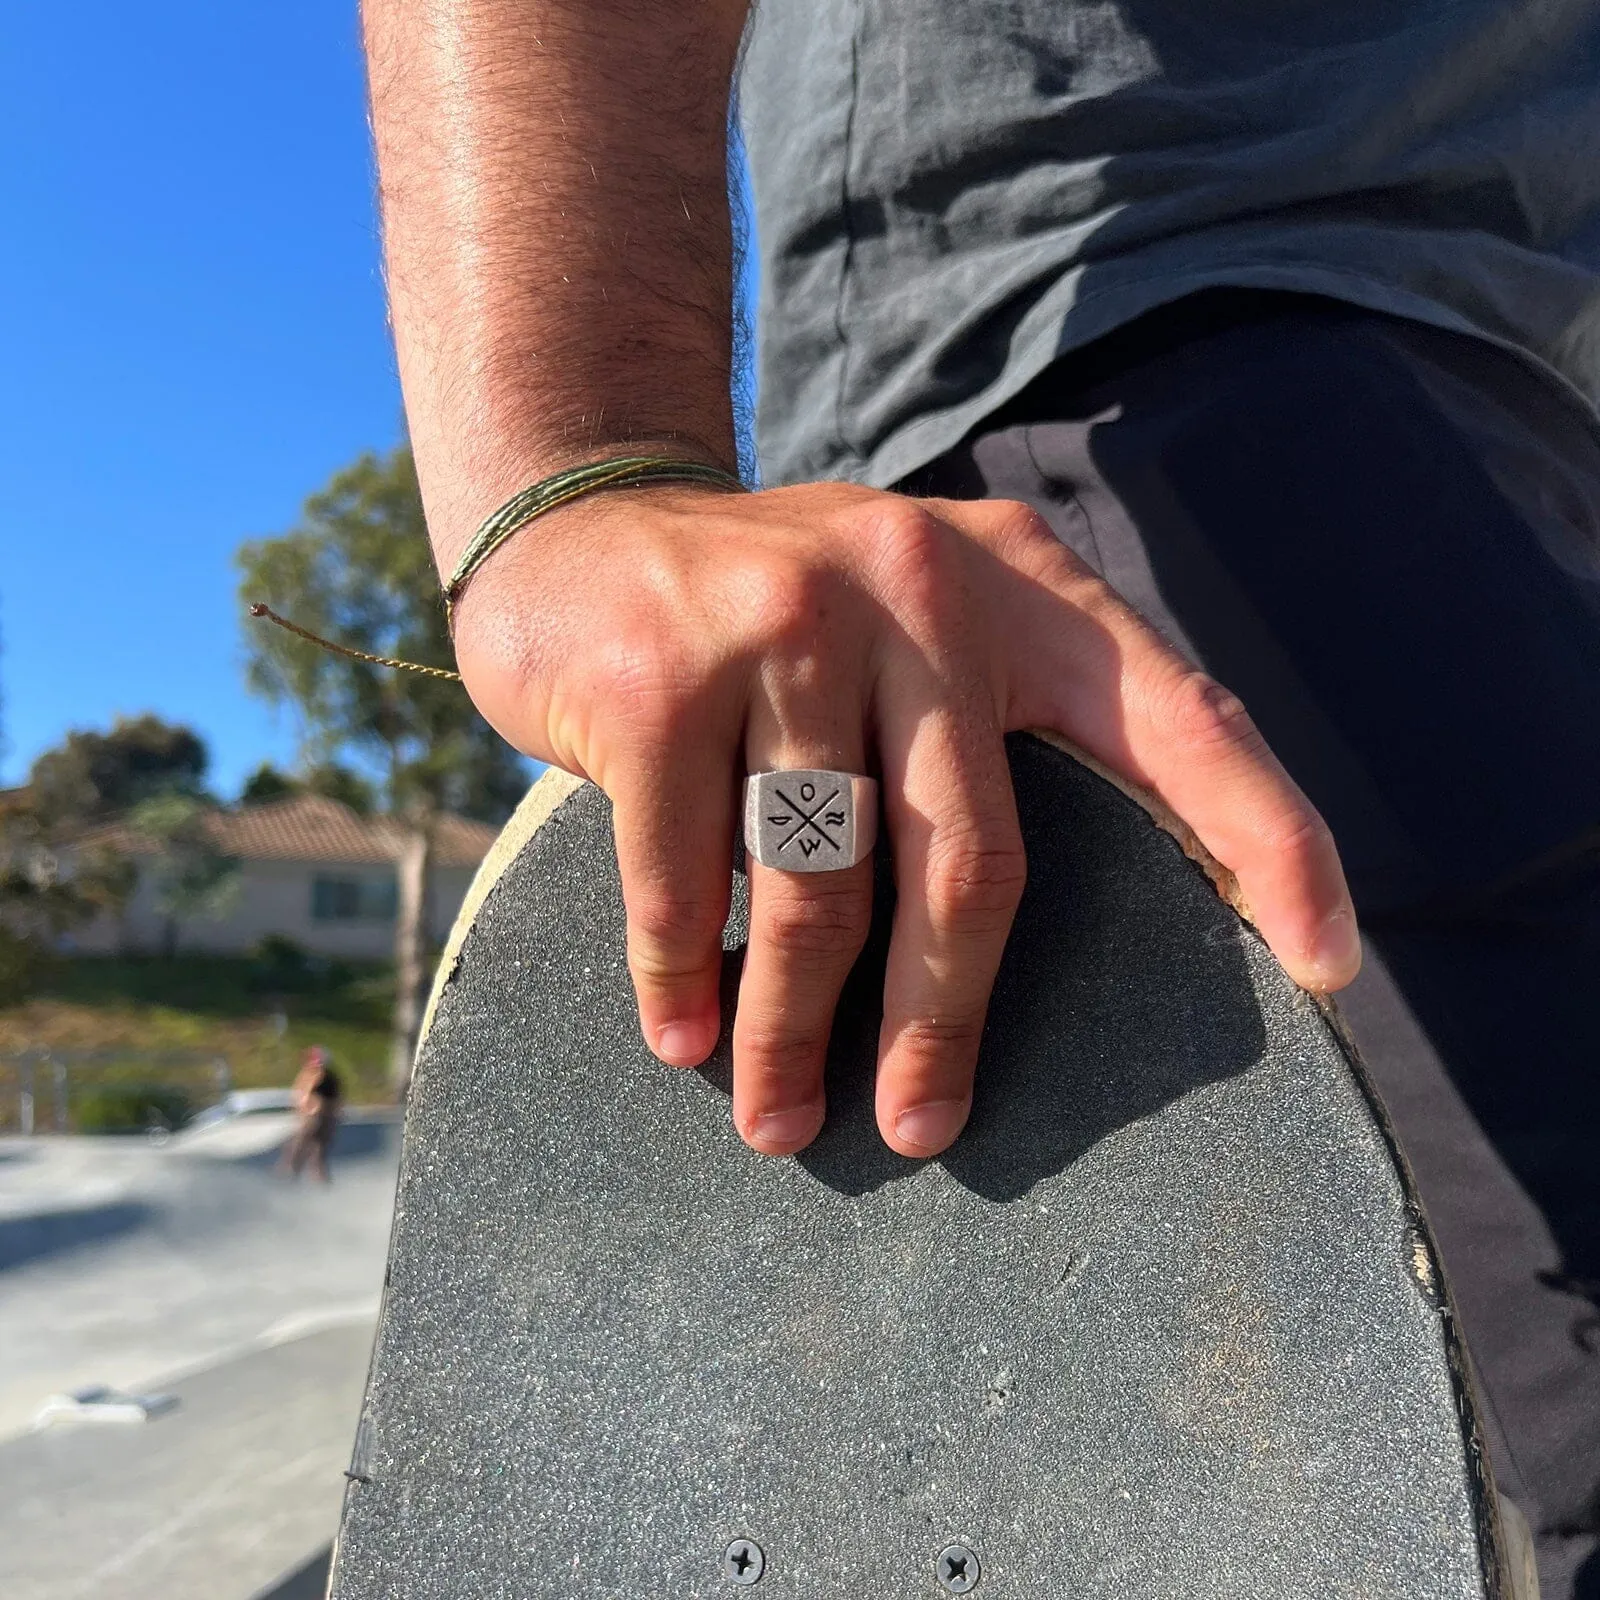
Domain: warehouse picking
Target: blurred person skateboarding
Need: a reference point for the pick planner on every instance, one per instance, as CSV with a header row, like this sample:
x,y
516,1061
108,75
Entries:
x,y
1109,354
317,1093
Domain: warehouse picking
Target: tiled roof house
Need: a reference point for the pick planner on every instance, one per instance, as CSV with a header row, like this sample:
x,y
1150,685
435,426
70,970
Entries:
x,y
308,869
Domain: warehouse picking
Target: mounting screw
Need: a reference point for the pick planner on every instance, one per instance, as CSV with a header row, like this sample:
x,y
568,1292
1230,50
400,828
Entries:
x,y
957,1569
743,1562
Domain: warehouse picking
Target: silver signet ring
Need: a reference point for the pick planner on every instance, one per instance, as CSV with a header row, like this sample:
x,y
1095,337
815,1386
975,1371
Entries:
x,y
810,821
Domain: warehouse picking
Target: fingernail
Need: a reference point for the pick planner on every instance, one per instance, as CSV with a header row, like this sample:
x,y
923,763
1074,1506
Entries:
x,y
684,1044
1336,954
791,1129
931,1126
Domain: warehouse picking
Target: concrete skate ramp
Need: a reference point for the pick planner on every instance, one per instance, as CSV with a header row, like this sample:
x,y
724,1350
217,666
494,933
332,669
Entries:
x,y
193,1269
48,1233
219,1500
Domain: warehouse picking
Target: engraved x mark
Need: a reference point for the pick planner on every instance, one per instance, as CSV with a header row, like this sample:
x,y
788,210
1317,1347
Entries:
x,y
809,824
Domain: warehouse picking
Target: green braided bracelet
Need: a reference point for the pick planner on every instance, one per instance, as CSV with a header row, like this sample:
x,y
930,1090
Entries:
x,y
619,472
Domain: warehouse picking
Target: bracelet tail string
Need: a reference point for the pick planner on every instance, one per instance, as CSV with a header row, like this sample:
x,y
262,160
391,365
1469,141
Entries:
x,y
619,472
259,610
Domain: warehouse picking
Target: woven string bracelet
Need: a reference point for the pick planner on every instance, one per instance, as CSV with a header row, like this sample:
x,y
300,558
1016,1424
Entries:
x,y
618,472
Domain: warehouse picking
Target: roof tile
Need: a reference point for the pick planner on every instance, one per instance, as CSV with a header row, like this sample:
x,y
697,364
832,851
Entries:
x,y
311,827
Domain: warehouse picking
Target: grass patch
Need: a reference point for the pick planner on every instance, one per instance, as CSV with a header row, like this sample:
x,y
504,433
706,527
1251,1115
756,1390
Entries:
x,y
131,1108
258,1016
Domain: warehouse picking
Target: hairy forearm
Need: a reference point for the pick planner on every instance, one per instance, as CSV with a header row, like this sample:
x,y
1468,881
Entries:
x,y
556,229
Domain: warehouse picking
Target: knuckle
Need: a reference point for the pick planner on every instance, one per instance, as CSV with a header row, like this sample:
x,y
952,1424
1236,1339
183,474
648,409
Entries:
x,y
645,678
785,603
974,883
823,923
775,1056
670,936
1298,833
941,1036
663,969
1087,592
1020,525
911,548
1205,716
660,573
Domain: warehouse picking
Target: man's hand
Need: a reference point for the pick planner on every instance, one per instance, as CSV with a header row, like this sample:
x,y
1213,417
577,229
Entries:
x,y
666,642
558,242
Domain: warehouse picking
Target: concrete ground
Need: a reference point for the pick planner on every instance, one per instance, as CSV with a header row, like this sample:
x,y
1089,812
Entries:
x,y
192,1269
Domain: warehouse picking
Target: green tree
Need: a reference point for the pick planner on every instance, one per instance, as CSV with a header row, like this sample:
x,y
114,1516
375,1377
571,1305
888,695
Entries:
x,y
93,777
266,784
336,782
52,878
192,876
40,899
357,569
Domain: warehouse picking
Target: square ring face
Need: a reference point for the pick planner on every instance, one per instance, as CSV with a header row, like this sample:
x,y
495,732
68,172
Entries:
x,y
809,821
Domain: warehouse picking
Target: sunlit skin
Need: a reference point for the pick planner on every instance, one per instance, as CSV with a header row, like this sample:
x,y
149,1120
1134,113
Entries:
x,y
558,246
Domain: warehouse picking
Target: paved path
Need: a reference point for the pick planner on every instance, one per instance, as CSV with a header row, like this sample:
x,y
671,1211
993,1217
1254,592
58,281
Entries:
x,y
193,1269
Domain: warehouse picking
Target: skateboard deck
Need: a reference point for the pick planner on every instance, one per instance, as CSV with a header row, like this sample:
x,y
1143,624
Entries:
x,y
1166,1321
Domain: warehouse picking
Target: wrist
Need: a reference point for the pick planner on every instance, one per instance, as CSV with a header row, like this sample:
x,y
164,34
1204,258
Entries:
x,y
568,522
609,474
465,482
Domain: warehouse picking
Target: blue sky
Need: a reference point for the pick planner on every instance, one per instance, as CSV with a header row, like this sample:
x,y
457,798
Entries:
x,y
191,340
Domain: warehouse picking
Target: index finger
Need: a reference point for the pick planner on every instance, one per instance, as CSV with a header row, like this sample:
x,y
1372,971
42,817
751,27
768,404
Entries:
x,y
1097,672
1194,743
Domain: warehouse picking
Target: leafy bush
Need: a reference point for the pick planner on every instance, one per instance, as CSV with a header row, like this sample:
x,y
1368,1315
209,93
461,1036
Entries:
x,y
131,1108
23,963
280,966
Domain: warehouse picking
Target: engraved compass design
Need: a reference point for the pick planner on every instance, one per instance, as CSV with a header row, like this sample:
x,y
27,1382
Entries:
x,y
810,821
